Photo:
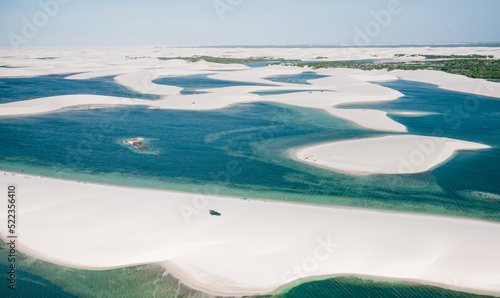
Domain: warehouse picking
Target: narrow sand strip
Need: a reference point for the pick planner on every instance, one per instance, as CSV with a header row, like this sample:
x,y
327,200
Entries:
x,y
254,247
397,154
342,90
137,67
451,82
345,90
55,103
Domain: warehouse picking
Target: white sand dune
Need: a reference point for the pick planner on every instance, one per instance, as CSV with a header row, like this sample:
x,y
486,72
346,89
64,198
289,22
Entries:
x,y
411,113
371,119
141,81
451,82
373,76
55,103
136,68
342,89
100,73
345,86
395,154
70,60
254,247
345,90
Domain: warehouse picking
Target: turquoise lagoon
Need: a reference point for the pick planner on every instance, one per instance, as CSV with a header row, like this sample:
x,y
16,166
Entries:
x,y
243,151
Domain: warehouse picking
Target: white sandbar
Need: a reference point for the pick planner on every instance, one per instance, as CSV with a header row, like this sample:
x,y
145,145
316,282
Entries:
x,y
254,247
136,68
395,154
345,90
56,103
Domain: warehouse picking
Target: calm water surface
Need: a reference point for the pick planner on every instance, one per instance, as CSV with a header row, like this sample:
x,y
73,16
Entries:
x,y
243,151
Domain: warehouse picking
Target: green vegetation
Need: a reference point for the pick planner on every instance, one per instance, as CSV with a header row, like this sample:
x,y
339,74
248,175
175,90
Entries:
x,y
227,60
471,67
474,66
473,56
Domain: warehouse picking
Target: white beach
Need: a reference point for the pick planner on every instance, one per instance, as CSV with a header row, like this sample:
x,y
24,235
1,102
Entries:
x,y
344,89
57,103
395,154
255,246
348,85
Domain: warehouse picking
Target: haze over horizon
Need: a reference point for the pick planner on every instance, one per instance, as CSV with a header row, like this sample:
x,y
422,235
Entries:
x,y
240,22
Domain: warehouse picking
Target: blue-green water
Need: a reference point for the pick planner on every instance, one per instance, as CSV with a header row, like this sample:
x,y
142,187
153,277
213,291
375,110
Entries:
x,y
36,278
242,151
358,287
275,92
192,83
194,151
15,89
457,115
301,78
31,285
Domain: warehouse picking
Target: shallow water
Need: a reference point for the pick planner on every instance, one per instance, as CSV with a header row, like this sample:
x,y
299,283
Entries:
x,y
192,83
243,151
360,287
195,151
284,91
15,89
301,78
36,278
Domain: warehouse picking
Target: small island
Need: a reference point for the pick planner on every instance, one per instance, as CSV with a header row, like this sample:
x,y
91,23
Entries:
x,y
136,142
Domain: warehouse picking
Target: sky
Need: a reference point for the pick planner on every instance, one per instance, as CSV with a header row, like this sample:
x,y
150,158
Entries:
x,y
245,22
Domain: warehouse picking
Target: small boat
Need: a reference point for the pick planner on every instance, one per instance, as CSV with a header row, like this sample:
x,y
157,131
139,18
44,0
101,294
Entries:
x,y
213,212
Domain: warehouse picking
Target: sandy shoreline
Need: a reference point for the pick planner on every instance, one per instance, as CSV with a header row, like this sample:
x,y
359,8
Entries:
x,y
256,246
206,252
287,202
345,90
348,85
393,154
